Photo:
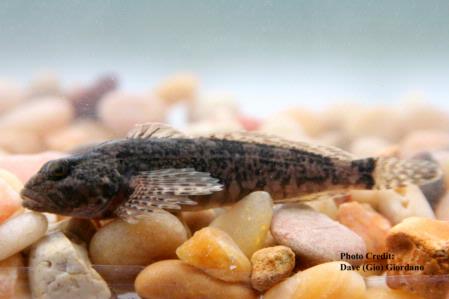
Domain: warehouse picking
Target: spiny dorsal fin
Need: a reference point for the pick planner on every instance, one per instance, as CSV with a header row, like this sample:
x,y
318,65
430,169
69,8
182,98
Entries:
x,y
254,137
154,130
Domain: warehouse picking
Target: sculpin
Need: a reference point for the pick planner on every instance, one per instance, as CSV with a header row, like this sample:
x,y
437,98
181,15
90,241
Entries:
x,y
157,167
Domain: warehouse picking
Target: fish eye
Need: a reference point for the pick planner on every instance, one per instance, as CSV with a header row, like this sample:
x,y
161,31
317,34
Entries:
x,y
57,169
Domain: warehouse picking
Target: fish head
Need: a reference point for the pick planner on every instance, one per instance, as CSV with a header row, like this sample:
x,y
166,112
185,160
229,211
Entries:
x,y
74,186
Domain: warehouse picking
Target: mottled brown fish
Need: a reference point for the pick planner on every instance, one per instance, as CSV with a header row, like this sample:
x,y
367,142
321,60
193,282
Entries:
x,y
157,167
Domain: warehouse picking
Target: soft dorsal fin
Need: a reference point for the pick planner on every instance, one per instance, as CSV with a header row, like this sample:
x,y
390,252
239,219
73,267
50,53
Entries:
x,y
261,138
154,130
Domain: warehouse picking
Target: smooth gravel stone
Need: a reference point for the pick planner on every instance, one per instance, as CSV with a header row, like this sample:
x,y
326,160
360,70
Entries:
x,y
368,146
41,115
423,242
61,269
13,282
11,180
78,134
20,232
25,166
174,279
248,221
45,83
213,251
270,266
367,223
313,236
386,293
423,141
154,237
121,111
324,281
196,220
283,126
397,207
10,201
11,94
179,87
20,141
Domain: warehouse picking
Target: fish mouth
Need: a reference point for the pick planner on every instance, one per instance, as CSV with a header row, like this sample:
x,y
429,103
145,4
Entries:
x,y
30,200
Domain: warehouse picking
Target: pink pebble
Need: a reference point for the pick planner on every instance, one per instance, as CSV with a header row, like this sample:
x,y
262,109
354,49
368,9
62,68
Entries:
x,y
25,166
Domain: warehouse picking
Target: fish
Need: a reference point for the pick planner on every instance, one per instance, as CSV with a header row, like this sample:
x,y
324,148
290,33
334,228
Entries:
x,y
158,168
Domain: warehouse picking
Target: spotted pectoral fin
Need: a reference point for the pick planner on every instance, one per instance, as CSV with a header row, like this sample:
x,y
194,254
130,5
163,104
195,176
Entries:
x,y
167,189
154,130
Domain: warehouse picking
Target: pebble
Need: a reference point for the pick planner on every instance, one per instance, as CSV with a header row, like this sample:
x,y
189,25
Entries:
x,y
386,293
85,98
152,238
313,236
213,106
196,220
422,141
61,269
396,207
254,213
19,141
324,281
13,281
419,115
179,87
120,111
367,223
214,252
365,147
39,115
325,205
442,209
283,126
78,134
21,231
10,201
11,94
25,166
312,122
270,266
419,241
11,180
174,279
44,83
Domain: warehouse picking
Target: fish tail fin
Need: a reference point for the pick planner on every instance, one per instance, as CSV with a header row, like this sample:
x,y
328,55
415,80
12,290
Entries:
x,y
391,173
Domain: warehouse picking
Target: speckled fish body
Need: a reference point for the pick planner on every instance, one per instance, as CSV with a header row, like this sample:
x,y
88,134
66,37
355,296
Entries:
x,y
157,167
241,167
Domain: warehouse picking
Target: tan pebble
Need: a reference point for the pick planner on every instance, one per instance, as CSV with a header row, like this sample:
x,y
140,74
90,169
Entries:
x,y
78,134
13,280
39,115
11,94
60,268
324,281
367,223
120,111
419,115
368,146
213,107
370,197
21,231
174,279
386,293
214,252
18,141
312,122
324,205
254,213
25,166
396,207
270,266
11,180
422,141
153,238
283,126
442,209
198,219
314,237
10,201
177,88
44,83
420,242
